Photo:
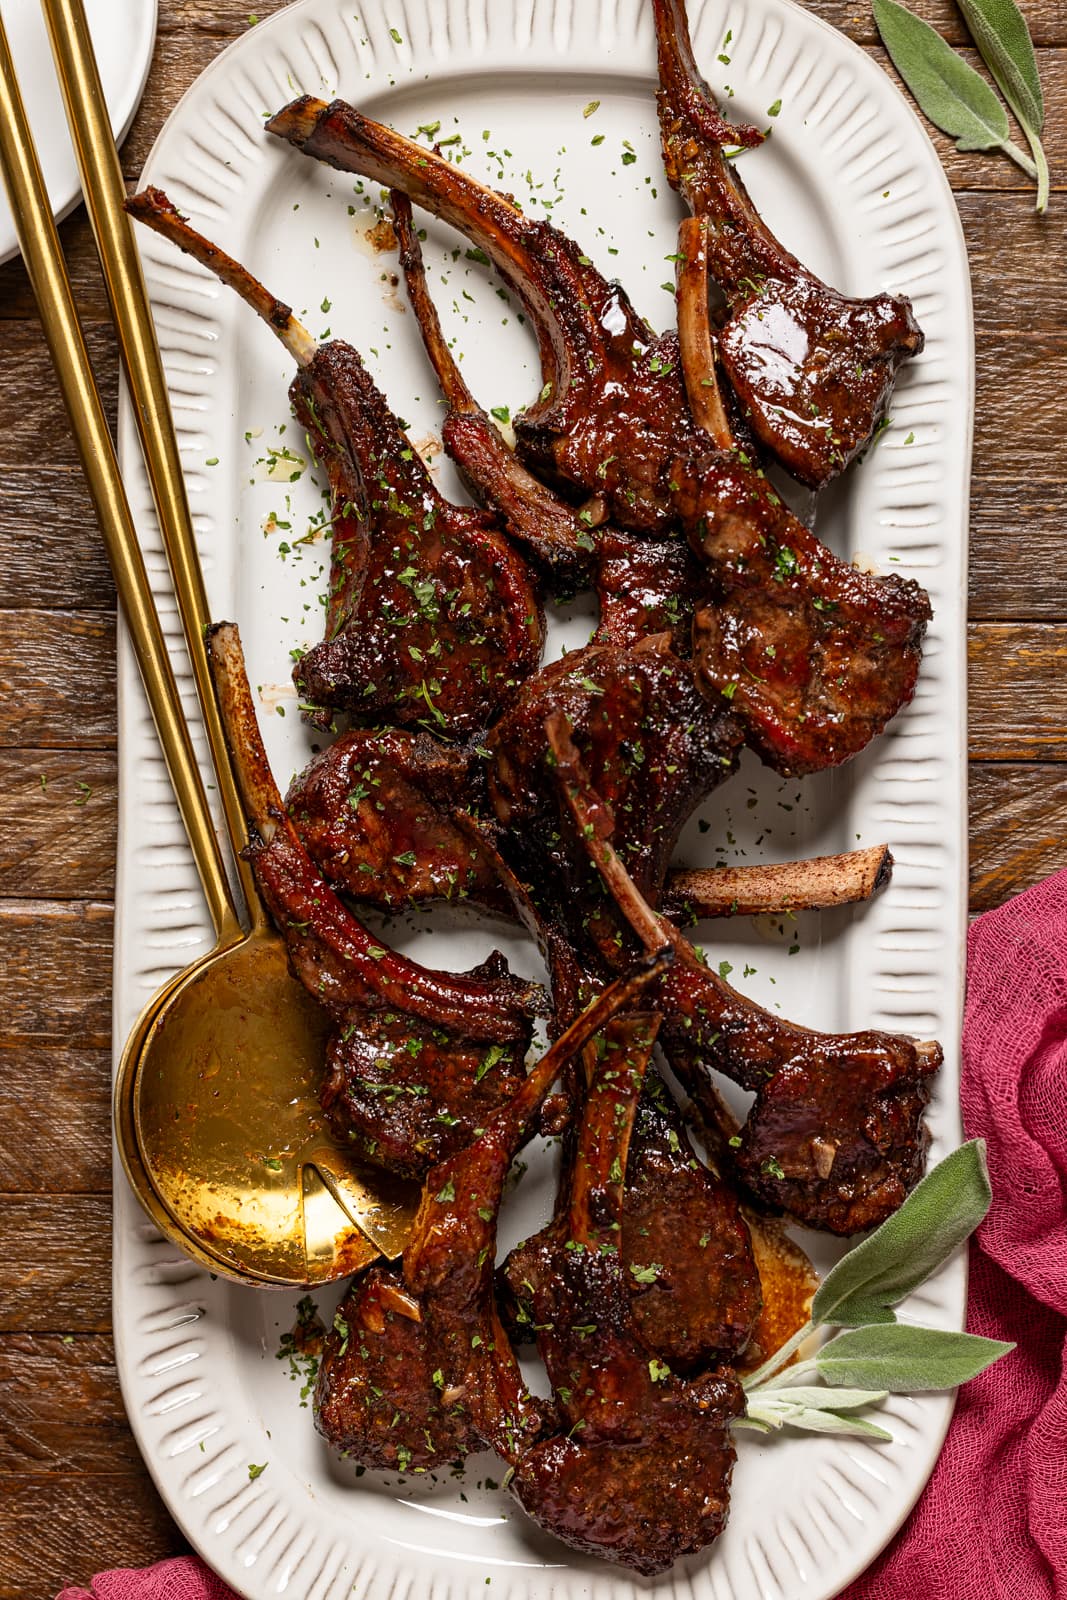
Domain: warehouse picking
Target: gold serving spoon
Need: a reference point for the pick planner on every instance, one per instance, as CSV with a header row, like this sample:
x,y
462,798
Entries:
x,y
216,1099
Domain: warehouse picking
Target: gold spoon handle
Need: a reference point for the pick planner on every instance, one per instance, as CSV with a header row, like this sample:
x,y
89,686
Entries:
x,y
105,192
41,252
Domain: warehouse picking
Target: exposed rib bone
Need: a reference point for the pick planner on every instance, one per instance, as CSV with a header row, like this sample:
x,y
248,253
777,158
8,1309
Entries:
x,y
818,883
153,208
493,473
695,338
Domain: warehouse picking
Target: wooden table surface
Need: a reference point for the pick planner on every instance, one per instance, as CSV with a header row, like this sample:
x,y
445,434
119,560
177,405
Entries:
x,y
77,1497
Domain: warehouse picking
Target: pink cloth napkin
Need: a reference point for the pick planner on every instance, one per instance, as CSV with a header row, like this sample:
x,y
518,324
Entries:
x,y
992,1524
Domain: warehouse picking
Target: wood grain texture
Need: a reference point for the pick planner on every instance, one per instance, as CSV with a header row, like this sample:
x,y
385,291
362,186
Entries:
x,y
1018,686
76,1497
57,1263
61,1530
1018,828
51,552
64,1410
57,679
55,1110
57,823
56,959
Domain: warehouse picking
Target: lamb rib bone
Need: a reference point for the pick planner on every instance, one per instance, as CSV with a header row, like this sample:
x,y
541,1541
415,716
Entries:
x,y
696,341
431,617
814,884
835,1136
556,533
812,369
404,1107
613,410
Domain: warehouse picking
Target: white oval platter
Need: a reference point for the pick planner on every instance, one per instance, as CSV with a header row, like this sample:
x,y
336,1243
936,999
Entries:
x,y
851,183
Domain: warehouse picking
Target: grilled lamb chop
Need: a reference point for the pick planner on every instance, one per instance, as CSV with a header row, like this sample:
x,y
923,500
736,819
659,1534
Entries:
x,y
613,410
814,655
644,586
686,1252
835,1136
641,1476
374,813
432,619
812,369
417,1369
555,533
419,1059
654,750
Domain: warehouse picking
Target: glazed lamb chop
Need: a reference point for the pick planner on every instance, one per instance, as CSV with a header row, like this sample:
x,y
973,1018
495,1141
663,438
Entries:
x,y
643,586
654,750
613,410
640,1472
812,369
419,1059
687,1258
374,813
418,1371
835,1137
814,656
432,618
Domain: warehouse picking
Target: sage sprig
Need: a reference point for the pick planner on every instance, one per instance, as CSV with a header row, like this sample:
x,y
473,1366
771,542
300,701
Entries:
x,y
878,1356
813,1410
955,97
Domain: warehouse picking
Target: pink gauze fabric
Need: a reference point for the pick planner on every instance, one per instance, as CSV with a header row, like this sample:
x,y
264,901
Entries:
x,y
184,1578
992,1523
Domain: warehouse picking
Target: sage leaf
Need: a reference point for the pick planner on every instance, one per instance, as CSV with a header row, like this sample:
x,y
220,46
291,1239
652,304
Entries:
x,y
999,30
953,95
773,1409
1003,39
816,1398
935,1219
904,1359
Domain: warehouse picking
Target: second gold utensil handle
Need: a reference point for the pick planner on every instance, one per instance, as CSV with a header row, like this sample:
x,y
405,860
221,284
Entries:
x,y
104,191
43,257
